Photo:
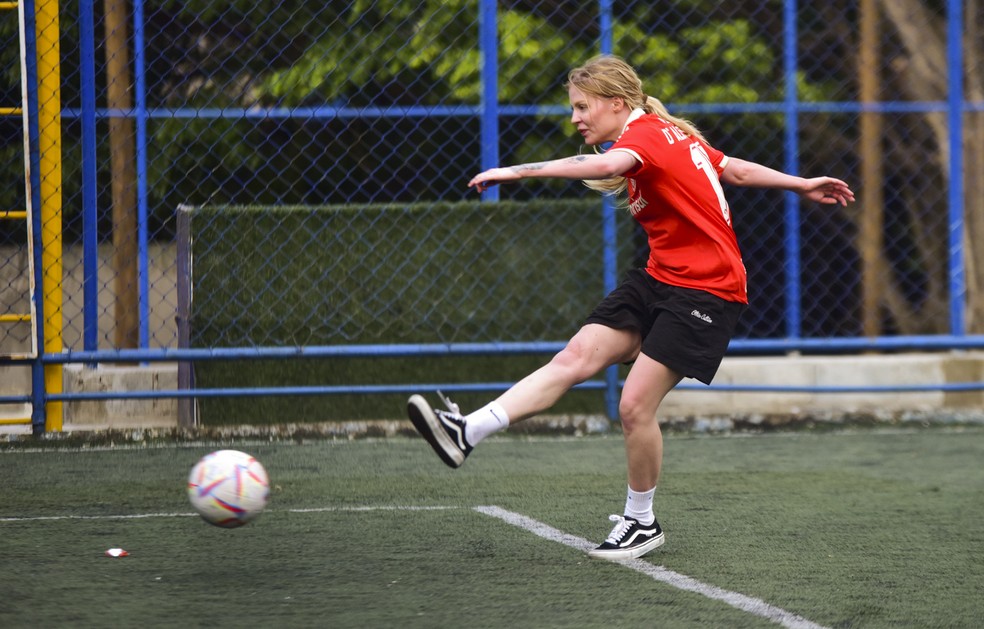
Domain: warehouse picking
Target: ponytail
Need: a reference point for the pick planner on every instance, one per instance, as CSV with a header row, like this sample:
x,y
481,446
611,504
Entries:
x,y
652,105
655,106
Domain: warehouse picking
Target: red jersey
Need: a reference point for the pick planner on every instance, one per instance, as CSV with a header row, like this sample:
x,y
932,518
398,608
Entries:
x,y
676,195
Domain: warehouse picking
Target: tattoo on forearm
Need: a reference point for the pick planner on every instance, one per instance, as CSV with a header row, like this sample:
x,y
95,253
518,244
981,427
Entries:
x,y
541,165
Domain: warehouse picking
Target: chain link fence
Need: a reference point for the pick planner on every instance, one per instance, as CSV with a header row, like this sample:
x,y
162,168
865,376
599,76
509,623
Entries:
x,y
272,104
15,273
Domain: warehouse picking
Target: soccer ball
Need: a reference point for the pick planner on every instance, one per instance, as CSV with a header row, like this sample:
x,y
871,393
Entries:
x,y
228,488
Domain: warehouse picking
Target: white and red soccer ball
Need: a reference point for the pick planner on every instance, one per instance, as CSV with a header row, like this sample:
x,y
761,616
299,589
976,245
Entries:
x,y
228,488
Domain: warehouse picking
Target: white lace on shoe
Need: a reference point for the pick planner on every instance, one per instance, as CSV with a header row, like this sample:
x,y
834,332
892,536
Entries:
x,y
454,424
451,405
620,529
629,539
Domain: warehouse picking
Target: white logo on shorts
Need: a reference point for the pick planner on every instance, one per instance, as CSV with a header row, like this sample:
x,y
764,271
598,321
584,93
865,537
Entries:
x,y
700,315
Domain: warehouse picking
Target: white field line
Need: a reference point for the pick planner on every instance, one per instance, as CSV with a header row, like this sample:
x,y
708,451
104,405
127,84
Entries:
x,y
140,516
371,508
133,516
740,601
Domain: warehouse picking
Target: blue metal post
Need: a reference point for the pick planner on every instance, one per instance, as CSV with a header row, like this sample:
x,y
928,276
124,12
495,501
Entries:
x,y
955,96
605,26
791,166
143,276
38,389
609,224
488,41
90,215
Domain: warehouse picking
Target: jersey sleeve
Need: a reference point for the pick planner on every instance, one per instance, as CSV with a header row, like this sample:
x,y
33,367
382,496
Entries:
x,y
652,148
718,159
638,142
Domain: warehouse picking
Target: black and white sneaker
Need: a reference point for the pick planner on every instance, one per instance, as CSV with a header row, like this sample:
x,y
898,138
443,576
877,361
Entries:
x,y
443,430
629,539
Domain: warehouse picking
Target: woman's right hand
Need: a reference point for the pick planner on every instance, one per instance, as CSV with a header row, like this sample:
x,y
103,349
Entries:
x,y
485,180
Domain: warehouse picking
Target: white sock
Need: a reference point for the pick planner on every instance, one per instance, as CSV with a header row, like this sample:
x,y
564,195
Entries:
x,y
486,421
639,505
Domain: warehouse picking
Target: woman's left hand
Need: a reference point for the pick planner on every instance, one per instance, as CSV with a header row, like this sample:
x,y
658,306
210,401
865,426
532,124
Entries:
x,y
827,190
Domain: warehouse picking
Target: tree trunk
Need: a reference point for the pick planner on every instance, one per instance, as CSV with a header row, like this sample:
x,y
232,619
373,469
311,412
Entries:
x,y
871,233
123,174
923,35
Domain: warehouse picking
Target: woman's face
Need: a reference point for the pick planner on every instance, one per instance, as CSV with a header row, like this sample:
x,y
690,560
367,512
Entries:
x,y
598,120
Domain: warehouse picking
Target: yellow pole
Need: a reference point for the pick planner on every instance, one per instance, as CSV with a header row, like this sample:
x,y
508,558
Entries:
x,y
49,145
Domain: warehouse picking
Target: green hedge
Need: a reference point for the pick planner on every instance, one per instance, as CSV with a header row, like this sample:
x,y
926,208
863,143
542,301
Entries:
x,y
379,274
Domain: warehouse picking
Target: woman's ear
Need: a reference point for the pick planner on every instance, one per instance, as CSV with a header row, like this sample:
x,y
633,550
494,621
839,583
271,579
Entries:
x,y
617,104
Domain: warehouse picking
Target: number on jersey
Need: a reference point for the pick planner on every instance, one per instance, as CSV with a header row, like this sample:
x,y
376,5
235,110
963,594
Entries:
x,y
703,162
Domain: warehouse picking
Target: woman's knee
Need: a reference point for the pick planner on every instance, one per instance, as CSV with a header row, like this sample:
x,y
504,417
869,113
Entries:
x,y
636,412
576,362
645,387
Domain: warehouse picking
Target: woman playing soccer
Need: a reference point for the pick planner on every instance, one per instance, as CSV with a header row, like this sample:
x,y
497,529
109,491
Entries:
x,y
671,320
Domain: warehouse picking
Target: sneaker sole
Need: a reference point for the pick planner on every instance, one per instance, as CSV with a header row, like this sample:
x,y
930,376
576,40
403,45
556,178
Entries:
x,y
430,428
629,553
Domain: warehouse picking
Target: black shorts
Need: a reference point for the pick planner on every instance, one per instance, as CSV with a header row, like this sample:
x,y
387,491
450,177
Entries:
x,y
687,330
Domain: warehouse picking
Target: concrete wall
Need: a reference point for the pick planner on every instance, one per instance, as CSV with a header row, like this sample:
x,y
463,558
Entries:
x,y
15,381
868,370
99,414
105,414
162,327
162,300
841,371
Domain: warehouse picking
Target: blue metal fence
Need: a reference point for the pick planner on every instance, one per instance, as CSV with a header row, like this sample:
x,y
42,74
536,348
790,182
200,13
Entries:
x,y
495,119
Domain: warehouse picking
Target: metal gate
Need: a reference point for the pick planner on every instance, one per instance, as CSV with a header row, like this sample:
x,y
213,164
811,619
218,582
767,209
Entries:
x,y
18,320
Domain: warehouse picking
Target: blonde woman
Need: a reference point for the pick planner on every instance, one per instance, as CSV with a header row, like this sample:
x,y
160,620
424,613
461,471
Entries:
x,y
670,320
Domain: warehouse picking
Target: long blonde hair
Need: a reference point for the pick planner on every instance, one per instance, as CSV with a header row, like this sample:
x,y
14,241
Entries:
x,y
608,76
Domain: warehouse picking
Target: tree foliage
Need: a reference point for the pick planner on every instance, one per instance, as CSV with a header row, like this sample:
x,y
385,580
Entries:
x,y
389,54
261,102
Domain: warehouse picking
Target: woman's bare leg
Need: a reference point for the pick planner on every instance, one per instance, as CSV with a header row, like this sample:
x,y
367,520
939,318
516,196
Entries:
x,y
592,349
645,387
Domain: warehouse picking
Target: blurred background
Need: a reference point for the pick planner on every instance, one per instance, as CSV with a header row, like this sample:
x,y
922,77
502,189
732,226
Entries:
x,y
340,123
